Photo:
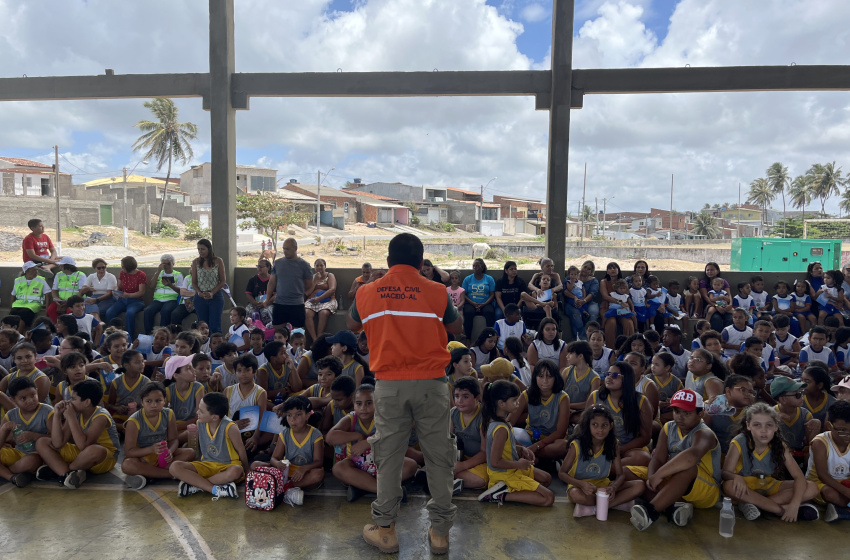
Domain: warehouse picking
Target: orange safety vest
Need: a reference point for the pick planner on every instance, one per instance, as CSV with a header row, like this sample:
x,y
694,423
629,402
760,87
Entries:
x,y
402,314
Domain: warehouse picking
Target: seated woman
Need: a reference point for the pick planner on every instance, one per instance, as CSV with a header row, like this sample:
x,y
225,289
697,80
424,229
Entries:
x,y
255,291
97,289
130,295
479,290
532,316
365,273
321,299
434,273
29,294
165,283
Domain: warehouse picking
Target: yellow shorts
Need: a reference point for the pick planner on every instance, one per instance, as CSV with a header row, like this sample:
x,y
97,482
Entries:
x,y
209,468
9,456
481,472
703,494
70,452
517,481
151,459
598,482
767,486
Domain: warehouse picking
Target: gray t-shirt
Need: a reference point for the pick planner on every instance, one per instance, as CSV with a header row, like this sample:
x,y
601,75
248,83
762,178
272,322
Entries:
x,y
291,274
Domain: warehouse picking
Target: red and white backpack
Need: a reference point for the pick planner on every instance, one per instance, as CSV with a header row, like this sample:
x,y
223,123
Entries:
x,y
264,488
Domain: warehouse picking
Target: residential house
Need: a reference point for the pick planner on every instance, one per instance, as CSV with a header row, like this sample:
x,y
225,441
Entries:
x,y
196,182
379,209
336,204
24,177
516,207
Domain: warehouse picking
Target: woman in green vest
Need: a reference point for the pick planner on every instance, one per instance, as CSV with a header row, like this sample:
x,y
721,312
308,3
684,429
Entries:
x,y
29,294
165,284
65,284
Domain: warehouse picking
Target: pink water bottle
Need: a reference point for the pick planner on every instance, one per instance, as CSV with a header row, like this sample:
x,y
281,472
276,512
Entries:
x,y
162,459
131,408
602,495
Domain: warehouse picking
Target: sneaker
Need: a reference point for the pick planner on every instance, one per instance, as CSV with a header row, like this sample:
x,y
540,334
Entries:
x,y
353,494
384,539
749,511
495,493
45,473
626,506
294,497
582,510
185,489
808,512
457,488
643,515
831,514
224,490
439,544
682,513
21,479
74,479
136,481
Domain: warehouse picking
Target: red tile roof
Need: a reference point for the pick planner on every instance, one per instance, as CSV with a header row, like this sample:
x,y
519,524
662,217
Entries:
x,y
463,191
371,195
25,162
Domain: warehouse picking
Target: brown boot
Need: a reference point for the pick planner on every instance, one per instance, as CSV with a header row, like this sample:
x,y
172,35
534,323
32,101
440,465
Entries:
x,y
439,544
384,539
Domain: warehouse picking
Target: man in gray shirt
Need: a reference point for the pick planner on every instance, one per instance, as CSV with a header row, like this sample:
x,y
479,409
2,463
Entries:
x,y
291,278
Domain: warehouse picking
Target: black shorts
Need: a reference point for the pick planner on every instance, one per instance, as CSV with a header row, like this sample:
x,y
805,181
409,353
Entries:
x,y
292,314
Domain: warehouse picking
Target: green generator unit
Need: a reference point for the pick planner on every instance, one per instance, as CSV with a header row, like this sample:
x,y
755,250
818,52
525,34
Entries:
x,y
750,254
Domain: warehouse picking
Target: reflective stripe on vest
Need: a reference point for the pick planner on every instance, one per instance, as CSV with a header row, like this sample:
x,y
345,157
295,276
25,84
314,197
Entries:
x,y
68,285
163,292
29,292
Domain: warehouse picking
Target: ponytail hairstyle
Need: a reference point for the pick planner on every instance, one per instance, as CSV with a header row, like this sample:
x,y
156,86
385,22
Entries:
x,y
666,358
72,359
513,348
456,356
626,347
110,339
500,390
68,321
482,338
717,367
585,438
191,339
819,373
77,344
630,398
776,445
125,359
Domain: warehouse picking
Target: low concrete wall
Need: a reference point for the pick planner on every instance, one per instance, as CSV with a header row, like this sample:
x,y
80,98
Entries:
x,y
721,256
18,210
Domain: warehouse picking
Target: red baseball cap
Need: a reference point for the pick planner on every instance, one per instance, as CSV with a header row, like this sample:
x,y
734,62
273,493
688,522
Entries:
x,y
687,400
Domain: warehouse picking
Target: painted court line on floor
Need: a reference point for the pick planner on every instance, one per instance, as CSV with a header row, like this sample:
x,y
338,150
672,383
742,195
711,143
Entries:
x,y
180,526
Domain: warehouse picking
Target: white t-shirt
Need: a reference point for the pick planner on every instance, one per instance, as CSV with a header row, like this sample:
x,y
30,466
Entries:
x,y
101,285
731,335
680,369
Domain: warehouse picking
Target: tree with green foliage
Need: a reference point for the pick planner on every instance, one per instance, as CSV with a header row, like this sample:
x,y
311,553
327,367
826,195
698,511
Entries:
x,y
778,181
826,181
761,194
800,192
704,224
268,214
165,139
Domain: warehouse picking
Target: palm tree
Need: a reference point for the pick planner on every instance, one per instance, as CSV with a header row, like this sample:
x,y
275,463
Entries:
x,y
761,194
705,224
800,192
845,201
828,182
165,139
587,214
778,180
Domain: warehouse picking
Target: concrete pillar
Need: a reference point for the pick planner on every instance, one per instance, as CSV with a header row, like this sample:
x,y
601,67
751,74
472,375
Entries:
x,y
222,134
559,131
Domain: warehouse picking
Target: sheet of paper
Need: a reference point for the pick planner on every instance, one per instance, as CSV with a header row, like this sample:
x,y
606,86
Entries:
x,y
271,423
251,413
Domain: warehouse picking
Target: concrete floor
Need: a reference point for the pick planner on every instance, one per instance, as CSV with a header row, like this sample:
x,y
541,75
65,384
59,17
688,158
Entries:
x,y
105,519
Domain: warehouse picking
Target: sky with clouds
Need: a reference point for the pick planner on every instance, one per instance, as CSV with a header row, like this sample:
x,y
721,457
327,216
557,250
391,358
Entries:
x,y
631,144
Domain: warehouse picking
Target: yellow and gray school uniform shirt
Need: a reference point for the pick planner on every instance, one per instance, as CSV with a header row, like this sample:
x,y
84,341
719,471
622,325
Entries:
x,y
697,384
128,392
623,436
107,376
300,453
595,467
468,430
36,422
33,375
544,416
578,387
338,413
185,406
350,368
277,379
237,400
109,437
358,426
708,468
316,390
509,452
151,433
723,426
837,463
63,391
215,446
820,412
749,462
794,432
668,389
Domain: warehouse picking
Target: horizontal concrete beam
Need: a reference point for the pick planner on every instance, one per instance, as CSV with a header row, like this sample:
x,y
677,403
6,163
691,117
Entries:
x,y
104,87
729,78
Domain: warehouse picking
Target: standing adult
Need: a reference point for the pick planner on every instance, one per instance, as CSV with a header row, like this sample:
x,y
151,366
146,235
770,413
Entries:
x,y
321,299
130,296
209,279
399,311
712,271
165,283
290,280
257,292
38,248
479,290
98,288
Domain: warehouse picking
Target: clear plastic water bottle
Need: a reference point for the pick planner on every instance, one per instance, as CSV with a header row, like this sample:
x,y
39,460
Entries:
x,y
27,447
192,442
727,519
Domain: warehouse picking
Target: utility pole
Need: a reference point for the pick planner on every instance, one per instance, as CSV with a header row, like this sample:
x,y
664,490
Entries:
x,y
147,228
671,207
604,215
124,212
318,202
739,210
581,209
481,210
56,192
596,215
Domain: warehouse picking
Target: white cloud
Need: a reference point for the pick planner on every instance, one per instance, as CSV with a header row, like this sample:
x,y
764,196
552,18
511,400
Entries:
x,y
533,13
632,144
